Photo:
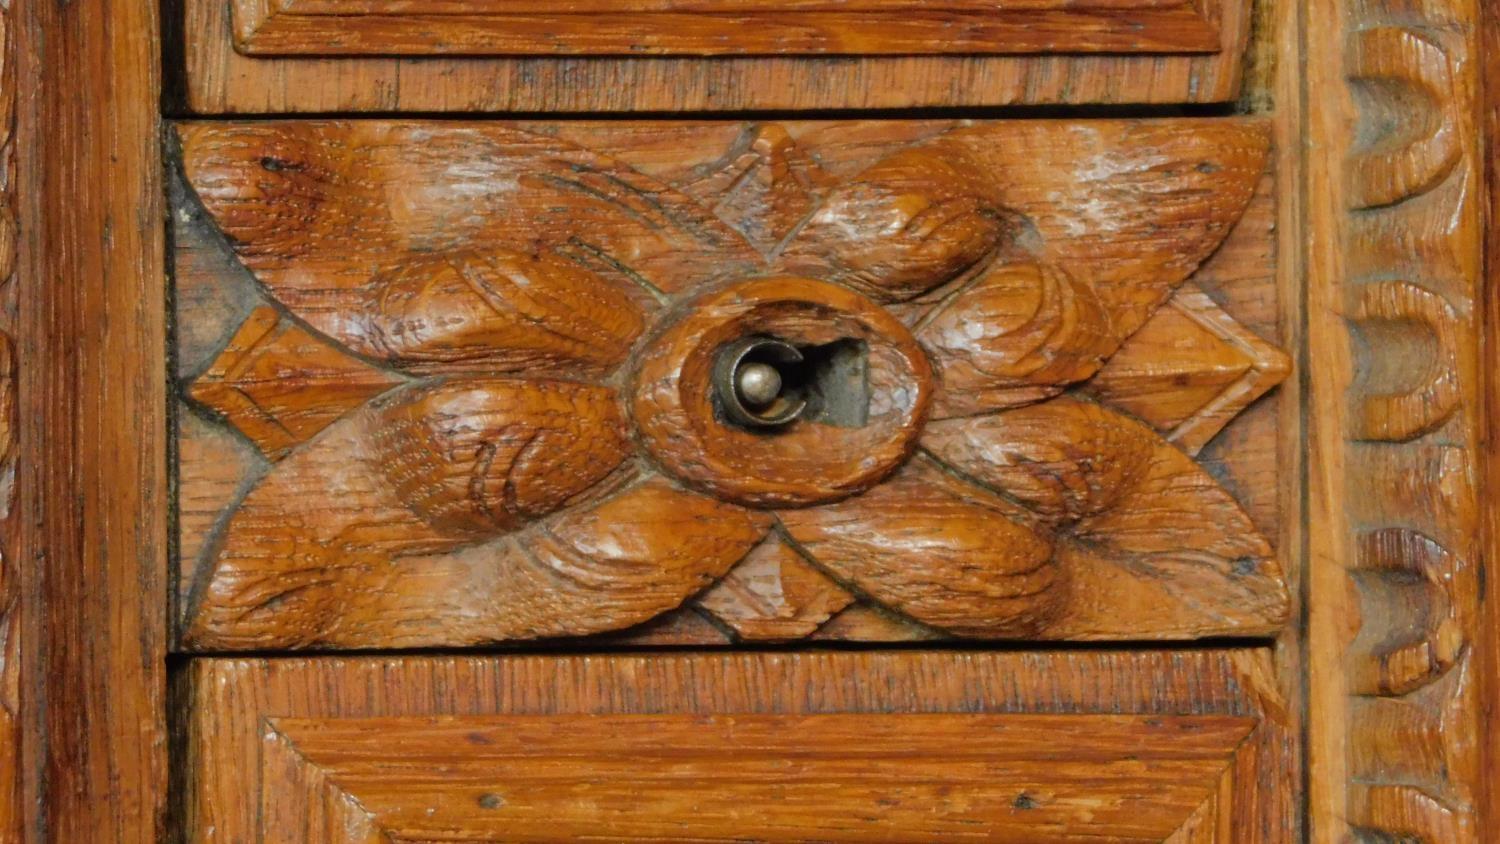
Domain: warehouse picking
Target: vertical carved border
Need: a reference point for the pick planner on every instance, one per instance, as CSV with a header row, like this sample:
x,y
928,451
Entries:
x,y
1396,210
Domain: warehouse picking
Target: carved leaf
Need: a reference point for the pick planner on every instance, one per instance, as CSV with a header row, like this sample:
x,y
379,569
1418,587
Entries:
x,y
609,566
1190,370
942,551
421,472
774,594
1148,540
640,553
488,454
904,226
494,312
1128,208
280,385
1020,333
317,209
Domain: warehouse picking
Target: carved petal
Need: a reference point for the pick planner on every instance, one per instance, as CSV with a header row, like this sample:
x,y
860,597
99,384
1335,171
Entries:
x,y
1020,333
316,209
1127,207
912,221
632,557
481,455
1152,546
620,563
418,472
944,552
495,312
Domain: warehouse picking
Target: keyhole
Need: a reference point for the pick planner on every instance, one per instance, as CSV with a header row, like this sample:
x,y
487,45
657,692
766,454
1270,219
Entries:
x,y
766,383
755,380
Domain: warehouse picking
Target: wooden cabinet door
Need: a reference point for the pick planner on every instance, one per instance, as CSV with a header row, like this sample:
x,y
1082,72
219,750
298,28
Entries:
x,y
745,420
465,384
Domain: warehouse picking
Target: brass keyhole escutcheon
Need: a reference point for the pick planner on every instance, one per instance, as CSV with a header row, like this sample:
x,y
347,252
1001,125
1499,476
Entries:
x,y
757,383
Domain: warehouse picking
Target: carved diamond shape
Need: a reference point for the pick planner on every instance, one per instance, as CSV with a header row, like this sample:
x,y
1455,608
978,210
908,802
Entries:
x,y
279,384
774,594
1190,370
765,187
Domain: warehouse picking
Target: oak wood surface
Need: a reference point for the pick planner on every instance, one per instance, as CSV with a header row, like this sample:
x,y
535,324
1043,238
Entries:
x,y
495,497
1488,647
1127,746
13,785
716,27
92,507
1395,230
220,79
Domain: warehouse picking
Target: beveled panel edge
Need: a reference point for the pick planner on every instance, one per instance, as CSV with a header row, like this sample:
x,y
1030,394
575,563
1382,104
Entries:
x,y
215,78
289,27
227,709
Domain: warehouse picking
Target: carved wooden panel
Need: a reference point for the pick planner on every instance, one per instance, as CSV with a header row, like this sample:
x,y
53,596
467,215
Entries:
x,y
717,27
447,384
1396,300
256,56
915,746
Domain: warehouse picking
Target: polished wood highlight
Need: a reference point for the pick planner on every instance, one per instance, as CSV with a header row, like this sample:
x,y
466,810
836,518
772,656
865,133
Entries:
x,y
1396,223
219,78
917,746
547,457
724,27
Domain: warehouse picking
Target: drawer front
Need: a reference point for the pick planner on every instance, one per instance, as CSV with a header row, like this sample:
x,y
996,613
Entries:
x,y
912,747
254,56
449,384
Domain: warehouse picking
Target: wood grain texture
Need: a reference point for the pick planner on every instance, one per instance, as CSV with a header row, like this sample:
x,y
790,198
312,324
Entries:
x,y
1489,596
12,763
1040,747
93,501
221,79
714,27
1021,281
1396,230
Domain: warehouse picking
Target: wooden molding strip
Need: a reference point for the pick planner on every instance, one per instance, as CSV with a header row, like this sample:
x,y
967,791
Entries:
x,y
90,527
723,27
12,798
1396,223
222,79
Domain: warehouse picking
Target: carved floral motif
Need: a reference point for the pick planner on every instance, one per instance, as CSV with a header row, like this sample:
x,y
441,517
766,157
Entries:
x,y
552,461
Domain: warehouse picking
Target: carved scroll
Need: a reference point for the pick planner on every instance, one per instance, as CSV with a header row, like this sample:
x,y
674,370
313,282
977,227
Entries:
x,y
457,383
1395,530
